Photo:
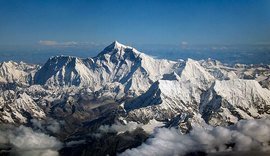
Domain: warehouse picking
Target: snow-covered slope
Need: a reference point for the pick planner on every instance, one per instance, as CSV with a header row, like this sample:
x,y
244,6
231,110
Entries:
x,y
117,63
196,92
195,74
218,70
181,93
19,73
174,94
164,100
18,108
63,70
232,100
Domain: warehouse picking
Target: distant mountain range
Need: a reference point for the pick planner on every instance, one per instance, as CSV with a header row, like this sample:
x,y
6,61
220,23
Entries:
x,y
123,85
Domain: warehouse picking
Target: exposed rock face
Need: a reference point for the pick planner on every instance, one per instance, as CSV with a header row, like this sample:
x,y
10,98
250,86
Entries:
x,y
132,86
232,100
116,65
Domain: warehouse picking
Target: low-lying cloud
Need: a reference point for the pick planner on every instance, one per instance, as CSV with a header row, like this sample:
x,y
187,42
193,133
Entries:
x,y
48,125
116,128
119,128
24,141
244,136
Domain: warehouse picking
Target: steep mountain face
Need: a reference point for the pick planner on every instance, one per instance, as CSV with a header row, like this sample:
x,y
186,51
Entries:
x,y
18,108
18,73
173,95
197,93
63,70
168,100
124,85
265,83
116,64
221,71
232,100
218,70
195,74
156,88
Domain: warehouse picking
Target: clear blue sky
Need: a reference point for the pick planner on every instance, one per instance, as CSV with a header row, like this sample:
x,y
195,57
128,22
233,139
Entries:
x,y
81,22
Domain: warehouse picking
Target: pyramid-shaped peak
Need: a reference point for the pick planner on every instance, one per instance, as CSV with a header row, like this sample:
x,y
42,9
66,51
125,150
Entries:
x,y
116,44
115,47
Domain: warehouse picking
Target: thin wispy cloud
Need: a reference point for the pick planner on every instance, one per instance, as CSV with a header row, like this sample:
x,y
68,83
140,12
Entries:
x,y
47,43
68,44
184,43
55,43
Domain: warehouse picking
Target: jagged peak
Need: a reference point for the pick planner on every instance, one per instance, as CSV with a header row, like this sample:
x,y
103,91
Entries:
x,y
191,61
191,65
14,64
9,63
193,71
116,47
113,47
210,62
60,61
63,56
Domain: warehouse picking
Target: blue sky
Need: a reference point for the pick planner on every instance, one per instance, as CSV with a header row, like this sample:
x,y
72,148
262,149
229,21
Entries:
x,y
67,23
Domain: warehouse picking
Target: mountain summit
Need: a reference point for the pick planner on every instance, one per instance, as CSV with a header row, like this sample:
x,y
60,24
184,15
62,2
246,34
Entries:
x,y
78,99
117,65
117,52
114,47
156,89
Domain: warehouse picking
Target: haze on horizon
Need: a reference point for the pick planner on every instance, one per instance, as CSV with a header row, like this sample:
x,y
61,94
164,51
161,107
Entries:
x,y
85,27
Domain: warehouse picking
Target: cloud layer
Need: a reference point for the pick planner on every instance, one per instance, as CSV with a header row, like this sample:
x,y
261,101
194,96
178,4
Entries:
x,y
55,43
244,136
119,128
25,141
48,125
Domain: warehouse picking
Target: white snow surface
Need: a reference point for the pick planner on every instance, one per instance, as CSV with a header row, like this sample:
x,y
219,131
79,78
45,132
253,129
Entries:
x,y
160,89
115,64
13,72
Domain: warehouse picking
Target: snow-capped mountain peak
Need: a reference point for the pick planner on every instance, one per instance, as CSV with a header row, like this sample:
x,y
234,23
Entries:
x,y
196,74
232,100
117,48
124,84
63,70
20,73
117,63
118,45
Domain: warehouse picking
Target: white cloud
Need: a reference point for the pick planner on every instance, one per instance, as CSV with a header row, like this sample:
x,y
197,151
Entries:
x,y
48,43
184,43
116,128
25,141
35,153
55,43
70,43
120,128
50,125
246,135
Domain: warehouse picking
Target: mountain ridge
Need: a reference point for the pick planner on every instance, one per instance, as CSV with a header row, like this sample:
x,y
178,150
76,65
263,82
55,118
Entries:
x,y
116,63
146,88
